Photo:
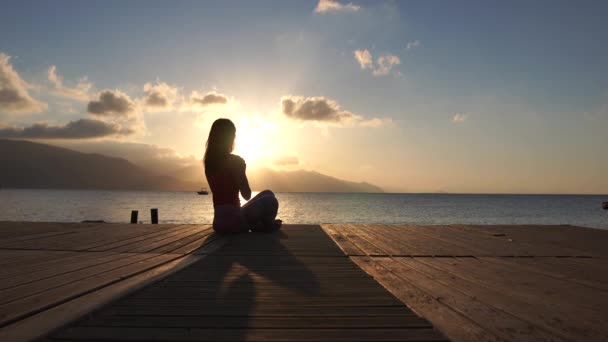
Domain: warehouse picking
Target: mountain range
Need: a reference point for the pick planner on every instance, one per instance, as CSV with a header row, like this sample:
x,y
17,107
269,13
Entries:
x,y
25,164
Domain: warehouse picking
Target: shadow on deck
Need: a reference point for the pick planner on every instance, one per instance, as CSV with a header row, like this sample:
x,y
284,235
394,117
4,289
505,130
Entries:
x,y
295,285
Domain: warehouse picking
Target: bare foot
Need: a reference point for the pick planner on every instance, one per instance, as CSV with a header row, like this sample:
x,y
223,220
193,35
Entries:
x,y
277,224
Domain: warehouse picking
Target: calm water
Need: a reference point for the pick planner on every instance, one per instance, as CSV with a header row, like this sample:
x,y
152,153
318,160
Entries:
x,y
188,207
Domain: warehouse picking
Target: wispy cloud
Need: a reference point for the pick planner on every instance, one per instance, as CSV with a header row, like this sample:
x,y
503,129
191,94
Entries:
x,y
14,96
79,129
385,63
383,66
364,57
413,45
79,92
329,6
458,118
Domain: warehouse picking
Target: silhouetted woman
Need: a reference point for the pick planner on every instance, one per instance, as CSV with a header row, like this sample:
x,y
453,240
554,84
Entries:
x,y
226,177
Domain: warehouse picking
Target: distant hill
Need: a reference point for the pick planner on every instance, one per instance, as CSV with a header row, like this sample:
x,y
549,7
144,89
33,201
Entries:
x,y
284,181
34,165
304,181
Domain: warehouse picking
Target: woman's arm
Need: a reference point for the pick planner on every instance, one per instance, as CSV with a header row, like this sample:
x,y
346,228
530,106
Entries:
x,y
242,179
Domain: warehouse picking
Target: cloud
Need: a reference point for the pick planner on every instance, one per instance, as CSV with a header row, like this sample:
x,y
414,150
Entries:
x,y
333,6
413,45
459,118
14,97
384,63
376,122
323,110
199,101
364,57
318,109
211,98
79,129
159,96
286,161
79,92
111,102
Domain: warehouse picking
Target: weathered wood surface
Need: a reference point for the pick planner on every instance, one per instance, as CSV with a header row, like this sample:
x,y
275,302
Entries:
x,y
294,285
480,283
473,283
49,265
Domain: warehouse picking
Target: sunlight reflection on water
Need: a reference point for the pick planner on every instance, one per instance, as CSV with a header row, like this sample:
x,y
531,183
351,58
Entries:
x,y
188,207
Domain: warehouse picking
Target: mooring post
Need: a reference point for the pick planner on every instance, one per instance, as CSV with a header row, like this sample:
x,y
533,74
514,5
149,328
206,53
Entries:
x,y
134,216
154,215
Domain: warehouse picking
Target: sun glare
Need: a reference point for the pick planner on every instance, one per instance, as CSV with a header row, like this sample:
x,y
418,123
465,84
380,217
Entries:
x,y
252,145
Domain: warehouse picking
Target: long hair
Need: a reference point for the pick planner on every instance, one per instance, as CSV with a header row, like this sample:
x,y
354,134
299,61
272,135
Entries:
x,y
219,144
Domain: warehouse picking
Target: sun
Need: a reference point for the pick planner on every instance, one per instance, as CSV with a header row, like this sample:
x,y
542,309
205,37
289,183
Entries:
x,y
253,145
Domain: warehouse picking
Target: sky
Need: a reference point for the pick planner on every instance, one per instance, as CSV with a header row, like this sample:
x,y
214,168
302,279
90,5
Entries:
x,y
413,96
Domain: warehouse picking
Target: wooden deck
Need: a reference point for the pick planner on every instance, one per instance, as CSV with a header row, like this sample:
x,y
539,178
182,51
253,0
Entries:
x,y
481,283
52,273
295,285
181,282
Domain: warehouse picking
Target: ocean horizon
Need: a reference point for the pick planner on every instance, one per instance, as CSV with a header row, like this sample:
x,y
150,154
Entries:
x,y
54,205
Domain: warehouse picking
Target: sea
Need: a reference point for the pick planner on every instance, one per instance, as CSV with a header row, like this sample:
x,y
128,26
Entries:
x,y
309,208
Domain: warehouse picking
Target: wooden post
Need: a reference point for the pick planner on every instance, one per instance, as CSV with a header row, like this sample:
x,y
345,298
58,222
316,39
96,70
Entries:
x,y
154,215
134,216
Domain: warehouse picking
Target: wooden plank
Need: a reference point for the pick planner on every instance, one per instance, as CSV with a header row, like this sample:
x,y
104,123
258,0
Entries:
x,y
42,323
54,260
8,241
41,275
130,244
345,245
65,276
417,243
208,245
261,287
363,244
168,239
302,301
588,271
388,245
176,245
545,293
577,240
27,306
268,311
539,283
480,244
18,259
538,319
500,322
121,232
195,334
344,283
454,324
260,322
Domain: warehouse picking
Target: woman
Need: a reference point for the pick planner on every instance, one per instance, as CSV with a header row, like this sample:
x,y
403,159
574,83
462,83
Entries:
x,y
226,176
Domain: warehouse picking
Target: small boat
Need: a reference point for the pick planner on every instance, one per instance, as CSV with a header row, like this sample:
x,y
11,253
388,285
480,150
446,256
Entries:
x,y
605,205
203,191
